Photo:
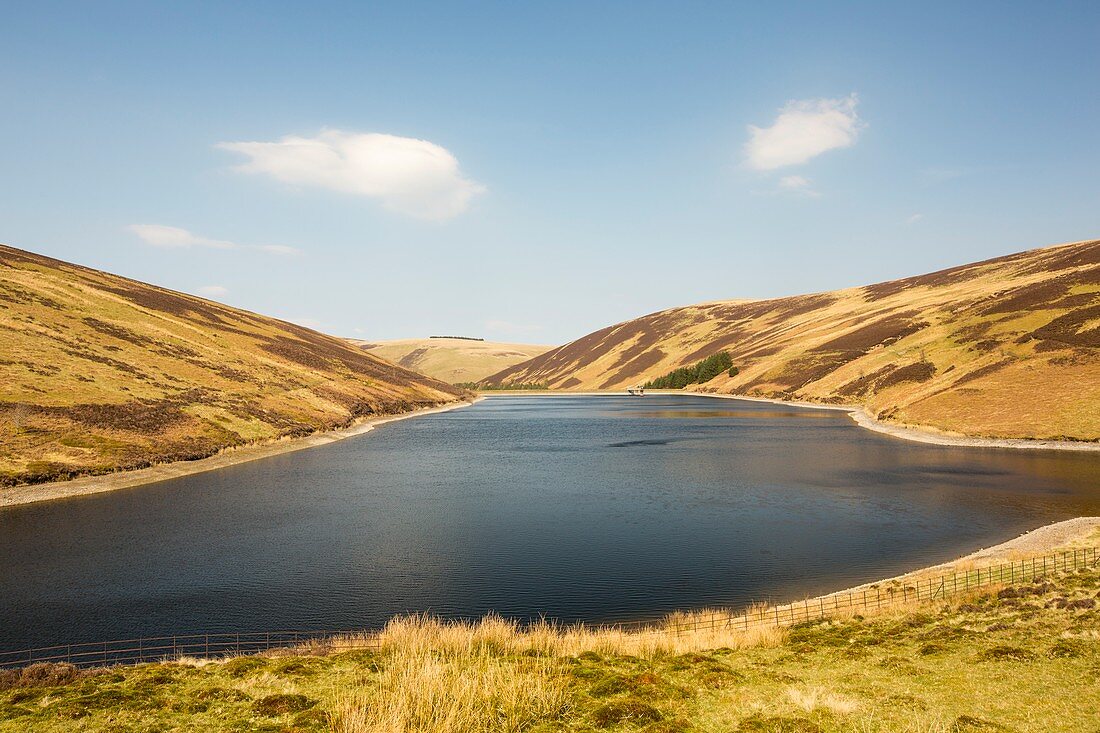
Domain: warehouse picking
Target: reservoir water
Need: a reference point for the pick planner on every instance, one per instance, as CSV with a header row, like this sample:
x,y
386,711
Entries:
x,y
596,508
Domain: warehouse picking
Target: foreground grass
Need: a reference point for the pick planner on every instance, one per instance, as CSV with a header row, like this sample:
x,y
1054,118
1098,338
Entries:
x,y
1019,658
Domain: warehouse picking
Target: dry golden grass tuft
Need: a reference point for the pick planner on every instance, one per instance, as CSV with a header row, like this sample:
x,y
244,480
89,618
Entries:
x,y
424,634
476,692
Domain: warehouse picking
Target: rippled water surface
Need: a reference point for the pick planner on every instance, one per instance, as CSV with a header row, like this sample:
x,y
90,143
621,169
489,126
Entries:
x,y
574,507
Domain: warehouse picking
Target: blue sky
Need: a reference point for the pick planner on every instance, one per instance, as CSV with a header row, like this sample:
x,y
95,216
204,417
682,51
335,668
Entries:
x,y
534,172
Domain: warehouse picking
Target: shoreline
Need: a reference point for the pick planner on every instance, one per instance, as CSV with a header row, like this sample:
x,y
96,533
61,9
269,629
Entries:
x,y
1045,539
102,483
861,417
859,414
86,485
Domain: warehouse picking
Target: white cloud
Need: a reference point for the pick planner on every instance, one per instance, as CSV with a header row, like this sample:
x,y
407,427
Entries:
x,y
275,249
793,183
213,291
797,184
407,175
168,237
803,130
159,235
913,219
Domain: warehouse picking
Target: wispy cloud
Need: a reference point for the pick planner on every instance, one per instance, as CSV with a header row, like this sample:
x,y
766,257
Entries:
x,y
213,291
159,235
913,219
803,130
410,176
797,184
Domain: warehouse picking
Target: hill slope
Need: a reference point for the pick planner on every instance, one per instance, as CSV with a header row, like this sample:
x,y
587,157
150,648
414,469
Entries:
x,y
452,360
101,373
1009,347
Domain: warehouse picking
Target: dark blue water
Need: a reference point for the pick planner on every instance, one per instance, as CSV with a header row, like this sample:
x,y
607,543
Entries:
x,y
575,507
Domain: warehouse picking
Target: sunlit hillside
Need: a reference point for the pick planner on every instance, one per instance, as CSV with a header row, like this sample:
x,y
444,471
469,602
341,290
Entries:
x,y
453,360
1009,347
100,373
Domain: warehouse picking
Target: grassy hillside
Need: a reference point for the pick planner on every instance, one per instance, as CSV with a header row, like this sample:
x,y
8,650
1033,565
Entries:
x,y
1018,658
100,373
1009,347
453,360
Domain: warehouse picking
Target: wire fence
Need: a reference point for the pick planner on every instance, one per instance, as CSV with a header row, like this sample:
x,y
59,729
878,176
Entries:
x,y
900,592
909,590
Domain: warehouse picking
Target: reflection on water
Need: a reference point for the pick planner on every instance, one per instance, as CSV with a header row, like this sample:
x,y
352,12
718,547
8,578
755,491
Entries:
x,y
764,413
577,507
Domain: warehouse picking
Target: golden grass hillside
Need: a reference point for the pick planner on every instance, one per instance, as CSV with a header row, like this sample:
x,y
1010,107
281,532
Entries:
x,y
452,360
99,373
1009,347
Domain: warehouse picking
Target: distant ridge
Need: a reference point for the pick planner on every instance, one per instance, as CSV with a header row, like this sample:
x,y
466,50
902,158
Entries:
x,y
1008,347
453,359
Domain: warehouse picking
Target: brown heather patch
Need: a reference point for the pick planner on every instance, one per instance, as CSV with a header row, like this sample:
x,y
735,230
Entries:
x,y
943,278
121,366
116,331
166,301
560,358
803,304
637,366
1038,295
797,373
725,342
12,293
921,371
296,351
884,331
1061,258
410,360
1067,329
152,416
982,372
863,384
